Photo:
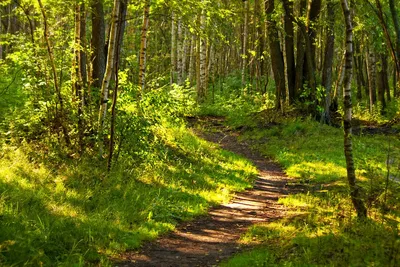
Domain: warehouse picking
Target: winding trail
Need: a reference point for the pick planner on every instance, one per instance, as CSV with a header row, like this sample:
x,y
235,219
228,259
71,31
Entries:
x,y
208,240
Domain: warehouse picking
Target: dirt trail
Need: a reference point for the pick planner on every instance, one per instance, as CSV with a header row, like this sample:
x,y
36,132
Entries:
x,y
208,240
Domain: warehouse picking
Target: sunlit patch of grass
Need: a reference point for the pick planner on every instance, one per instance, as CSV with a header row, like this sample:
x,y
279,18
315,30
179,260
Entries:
x,y
74,214
321,228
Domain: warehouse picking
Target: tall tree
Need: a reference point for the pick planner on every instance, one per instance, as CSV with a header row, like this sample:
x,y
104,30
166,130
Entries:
x,y
289,48
143,47
112,46
276,54
347,119
98,43
328,62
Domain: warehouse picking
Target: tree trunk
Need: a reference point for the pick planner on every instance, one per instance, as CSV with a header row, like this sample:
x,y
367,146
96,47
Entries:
x,y
180,52
143,47
380,85
98,43
395,18
371,80
112,48
328,61
244,43
300,52
276,55
192,59
289,48
79,68
347,119
173,49
202,92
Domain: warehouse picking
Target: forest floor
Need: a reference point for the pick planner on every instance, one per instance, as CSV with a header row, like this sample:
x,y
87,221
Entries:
x,y
208,240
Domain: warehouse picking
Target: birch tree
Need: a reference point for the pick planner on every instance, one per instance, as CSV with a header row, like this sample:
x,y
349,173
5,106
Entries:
x,y
347,119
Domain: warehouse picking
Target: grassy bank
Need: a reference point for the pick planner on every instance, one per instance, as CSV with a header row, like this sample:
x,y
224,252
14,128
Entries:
x,y
321,228
57,209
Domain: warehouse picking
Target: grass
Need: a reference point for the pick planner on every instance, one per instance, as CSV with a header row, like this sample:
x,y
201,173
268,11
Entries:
x,y
72,213
321,228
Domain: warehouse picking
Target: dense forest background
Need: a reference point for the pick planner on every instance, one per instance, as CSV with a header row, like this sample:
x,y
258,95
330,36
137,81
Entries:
x,y
94,101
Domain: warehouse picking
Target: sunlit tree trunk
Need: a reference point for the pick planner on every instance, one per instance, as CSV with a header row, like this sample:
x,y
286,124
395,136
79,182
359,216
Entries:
x,y
180,52
112,45
143,47
202,93
348,145
192,59
173,49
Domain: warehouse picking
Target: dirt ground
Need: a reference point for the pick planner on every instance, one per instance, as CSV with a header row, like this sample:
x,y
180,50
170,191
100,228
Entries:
x,y
208,240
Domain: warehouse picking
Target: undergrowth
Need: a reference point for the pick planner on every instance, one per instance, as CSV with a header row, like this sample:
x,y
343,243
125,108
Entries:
x,y
321,228
56,209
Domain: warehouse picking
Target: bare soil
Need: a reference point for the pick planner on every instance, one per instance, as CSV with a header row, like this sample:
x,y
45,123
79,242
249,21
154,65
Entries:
x,y
208,240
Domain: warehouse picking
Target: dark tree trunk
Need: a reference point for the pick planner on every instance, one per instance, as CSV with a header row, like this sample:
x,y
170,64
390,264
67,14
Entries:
x,y
289,48
300,51
98,43
276,54
396,23
380,84
328,61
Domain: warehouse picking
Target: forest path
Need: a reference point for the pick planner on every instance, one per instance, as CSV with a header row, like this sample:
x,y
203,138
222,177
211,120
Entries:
x,y
208,240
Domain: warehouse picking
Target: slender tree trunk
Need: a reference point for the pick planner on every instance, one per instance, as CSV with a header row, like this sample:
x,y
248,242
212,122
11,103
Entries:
x,y
202,93
98,43
276,55
180,52
371,79
143,47
347,119
79,69
380,85
173,48
192,59
395,18
112,46
61,116
300,51
244,43
389,42
328,62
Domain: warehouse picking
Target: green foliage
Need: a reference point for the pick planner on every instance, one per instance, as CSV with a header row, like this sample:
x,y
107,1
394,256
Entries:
x,y
57,210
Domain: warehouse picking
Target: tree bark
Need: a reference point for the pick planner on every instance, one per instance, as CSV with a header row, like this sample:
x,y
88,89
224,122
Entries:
x,y
112,47
289,48
173,48
98,43
202,92
328,61
244,42
347,119
371,79
276,55
143,47
395,18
